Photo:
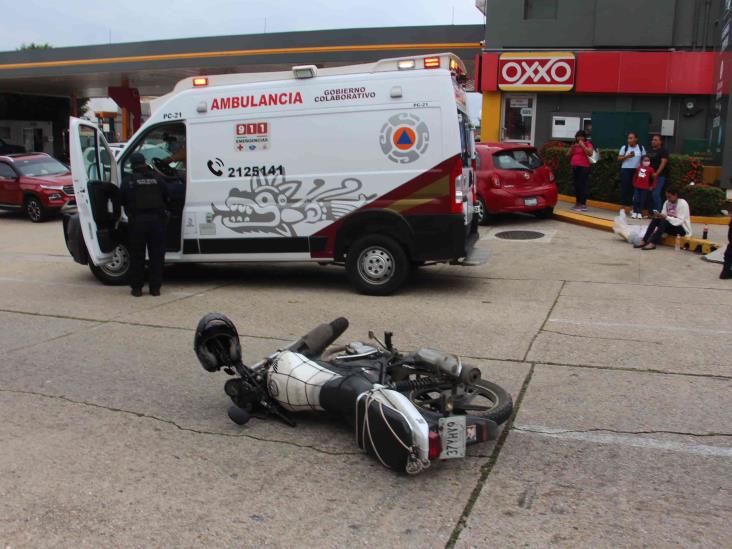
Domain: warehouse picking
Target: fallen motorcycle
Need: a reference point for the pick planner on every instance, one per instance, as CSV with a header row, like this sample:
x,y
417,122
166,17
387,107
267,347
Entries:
x,y
407,409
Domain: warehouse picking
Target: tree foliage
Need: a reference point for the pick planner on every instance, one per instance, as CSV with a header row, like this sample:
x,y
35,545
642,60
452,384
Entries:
x,y
34,46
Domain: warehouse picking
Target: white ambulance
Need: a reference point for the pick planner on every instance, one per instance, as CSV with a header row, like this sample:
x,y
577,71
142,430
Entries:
x,y
369,166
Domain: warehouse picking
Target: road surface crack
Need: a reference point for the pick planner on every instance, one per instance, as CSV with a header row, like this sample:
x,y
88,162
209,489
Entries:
x,y
644,341
181,427
546,319
486,469
527,429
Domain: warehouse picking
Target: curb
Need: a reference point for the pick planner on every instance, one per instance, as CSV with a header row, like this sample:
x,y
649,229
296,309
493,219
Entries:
x,y
722,220
692,244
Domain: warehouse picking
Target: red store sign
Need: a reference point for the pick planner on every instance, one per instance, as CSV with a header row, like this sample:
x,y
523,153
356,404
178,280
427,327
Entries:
x,y
543,71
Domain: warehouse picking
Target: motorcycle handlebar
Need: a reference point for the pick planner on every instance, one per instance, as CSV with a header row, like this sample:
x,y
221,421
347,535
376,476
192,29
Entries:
x,y
319,338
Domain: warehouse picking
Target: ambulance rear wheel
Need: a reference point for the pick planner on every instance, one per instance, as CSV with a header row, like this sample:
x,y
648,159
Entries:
x,y
376,265
117,271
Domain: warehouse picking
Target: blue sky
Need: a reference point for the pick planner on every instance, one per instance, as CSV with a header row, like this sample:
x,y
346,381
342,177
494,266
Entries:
x,y
77,22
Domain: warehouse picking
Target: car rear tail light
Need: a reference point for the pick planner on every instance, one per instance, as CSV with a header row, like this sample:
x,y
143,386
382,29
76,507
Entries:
x,y
431,62
496,181
456,182
435,448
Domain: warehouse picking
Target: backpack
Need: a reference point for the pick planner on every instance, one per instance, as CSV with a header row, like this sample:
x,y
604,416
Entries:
x,y
641,147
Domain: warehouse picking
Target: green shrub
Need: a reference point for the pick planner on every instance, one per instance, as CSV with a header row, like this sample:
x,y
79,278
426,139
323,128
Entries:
x,y
683,169
604,181
704,199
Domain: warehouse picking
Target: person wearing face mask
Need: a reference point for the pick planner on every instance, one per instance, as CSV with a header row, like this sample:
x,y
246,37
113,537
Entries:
x,y
644,182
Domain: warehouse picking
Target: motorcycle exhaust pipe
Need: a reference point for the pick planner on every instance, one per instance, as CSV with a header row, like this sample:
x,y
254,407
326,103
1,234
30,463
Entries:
x,y
469,374
450,365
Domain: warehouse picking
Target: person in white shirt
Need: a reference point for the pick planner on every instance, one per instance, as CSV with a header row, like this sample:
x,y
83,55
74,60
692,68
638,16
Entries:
x,y
674,219
630,155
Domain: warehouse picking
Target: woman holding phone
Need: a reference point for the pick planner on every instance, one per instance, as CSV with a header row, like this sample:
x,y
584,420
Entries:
x,y
630,156
674,219
579,158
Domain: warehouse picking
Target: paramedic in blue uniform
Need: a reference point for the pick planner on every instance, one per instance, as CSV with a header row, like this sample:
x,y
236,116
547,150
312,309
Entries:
x,y
145,198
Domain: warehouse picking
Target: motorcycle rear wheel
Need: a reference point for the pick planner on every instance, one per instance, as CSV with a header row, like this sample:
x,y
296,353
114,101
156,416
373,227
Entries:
x,y
481,399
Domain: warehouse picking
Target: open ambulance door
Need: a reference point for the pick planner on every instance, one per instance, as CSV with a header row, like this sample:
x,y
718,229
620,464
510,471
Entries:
x,y
96,186
467,153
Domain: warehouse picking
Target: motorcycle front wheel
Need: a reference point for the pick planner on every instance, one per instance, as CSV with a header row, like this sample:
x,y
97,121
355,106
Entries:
x,y
481,399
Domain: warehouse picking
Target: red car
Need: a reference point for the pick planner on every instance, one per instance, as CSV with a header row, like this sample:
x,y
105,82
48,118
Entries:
x,y
36,182
512,178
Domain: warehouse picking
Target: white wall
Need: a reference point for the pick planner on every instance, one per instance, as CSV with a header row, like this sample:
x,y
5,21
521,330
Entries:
x,y
12,131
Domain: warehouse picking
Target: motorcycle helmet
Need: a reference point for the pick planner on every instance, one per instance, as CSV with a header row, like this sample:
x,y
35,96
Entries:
x,y
216,342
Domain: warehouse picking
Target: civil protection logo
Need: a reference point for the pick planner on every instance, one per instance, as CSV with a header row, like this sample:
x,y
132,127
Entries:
x,y
404,138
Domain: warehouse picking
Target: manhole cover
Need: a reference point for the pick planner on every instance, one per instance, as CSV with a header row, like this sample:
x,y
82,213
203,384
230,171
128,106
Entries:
x,y
519,235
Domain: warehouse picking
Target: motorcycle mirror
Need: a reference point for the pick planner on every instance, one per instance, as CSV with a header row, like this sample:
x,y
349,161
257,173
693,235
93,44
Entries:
x,y
372,335
387,340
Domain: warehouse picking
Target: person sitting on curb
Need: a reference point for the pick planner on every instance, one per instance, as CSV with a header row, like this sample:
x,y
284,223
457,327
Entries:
x,y
674,219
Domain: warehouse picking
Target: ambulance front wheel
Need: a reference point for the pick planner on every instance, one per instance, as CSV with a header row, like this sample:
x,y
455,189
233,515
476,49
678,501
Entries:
x,y
376,265
117,271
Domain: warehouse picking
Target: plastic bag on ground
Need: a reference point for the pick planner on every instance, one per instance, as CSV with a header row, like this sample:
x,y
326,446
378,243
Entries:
x,y
620,225
630,233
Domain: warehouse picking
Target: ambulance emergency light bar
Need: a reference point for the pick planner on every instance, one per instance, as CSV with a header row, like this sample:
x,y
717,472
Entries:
x,y
305,71
445,61
441,61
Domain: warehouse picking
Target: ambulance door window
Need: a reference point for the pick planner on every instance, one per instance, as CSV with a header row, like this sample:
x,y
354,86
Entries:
x,y
164,149
90,153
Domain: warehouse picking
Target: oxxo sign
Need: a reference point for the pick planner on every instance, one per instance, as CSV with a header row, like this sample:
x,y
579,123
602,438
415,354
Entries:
x,y
538,71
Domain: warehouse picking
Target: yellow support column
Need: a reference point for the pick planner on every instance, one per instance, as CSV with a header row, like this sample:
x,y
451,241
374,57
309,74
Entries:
x,y
490,122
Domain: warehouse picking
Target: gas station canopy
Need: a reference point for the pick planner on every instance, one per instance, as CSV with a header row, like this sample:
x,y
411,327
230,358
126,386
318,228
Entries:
x,y
153,68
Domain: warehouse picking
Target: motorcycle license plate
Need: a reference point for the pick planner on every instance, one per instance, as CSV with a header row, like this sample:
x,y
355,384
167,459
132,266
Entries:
x,y
530,201
452,435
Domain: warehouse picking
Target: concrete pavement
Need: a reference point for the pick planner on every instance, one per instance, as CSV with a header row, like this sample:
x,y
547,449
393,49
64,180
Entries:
x,y
112,435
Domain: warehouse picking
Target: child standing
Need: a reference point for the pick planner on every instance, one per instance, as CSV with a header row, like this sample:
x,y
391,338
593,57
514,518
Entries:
x,y
643,182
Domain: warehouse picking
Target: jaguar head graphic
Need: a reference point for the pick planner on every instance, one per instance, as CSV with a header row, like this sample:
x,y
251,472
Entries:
x,y
271,206
260,209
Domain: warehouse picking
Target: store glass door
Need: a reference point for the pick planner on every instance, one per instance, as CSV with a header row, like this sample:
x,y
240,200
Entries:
x,y
518,118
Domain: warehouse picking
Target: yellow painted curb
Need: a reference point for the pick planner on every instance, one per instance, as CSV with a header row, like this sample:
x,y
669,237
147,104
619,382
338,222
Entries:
x,y
691,244
723,220
584,220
